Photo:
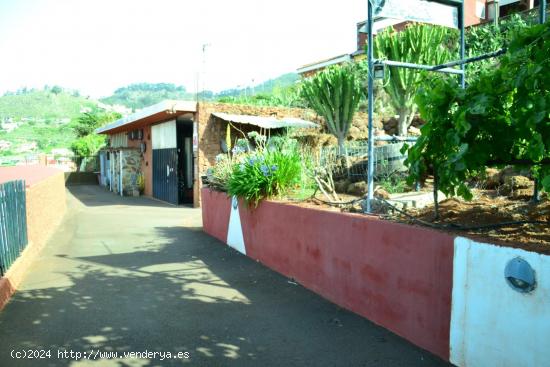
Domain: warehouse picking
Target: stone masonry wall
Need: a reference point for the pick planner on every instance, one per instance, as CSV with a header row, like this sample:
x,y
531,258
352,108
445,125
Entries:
x,y
131,168
212,130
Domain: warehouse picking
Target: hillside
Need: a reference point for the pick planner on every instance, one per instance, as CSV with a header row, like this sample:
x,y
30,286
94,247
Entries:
x,y
51,104
268,87
33,121
139,95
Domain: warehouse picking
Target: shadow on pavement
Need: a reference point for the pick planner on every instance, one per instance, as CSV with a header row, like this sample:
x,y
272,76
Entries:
x,y
180,290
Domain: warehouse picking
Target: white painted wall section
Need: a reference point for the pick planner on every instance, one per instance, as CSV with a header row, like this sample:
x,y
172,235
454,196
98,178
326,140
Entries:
x,y
492,324
164,135
235,237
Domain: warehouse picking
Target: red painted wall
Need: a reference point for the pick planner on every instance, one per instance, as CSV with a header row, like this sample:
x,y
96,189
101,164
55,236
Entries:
x,y
216,207
397,276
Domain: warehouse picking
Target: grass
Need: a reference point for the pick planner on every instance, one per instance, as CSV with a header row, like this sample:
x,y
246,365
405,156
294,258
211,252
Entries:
x,y
39,104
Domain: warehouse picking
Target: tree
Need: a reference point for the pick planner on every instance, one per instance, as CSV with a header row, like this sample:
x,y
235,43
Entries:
x,y
56,89
88,145
334,94
89,121
419,44
502,118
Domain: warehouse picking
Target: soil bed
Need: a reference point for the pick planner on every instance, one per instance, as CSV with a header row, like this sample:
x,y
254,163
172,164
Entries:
x,y
487,208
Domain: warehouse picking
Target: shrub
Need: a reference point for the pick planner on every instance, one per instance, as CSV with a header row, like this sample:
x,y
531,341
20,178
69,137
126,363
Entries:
x,y
219,175
265,174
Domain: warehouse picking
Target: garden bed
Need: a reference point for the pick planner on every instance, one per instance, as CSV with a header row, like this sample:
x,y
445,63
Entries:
x,y
487,208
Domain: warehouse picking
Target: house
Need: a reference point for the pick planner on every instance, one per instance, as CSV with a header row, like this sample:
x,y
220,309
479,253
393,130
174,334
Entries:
x,y
475,12
163,150
4,145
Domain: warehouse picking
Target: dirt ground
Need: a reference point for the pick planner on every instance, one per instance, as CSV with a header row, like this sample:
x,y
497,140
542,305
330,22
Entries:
x,y
487,208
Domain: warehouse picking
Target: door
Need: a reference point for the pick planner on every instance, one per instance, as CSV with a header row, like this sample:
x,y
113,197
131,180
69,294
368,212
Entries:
x,y
165,162
165,177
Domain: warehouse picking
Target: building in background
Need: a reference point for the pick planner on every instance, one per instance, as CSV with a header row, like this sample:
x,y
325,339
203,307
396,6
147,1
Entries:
x,y
163,150
475,12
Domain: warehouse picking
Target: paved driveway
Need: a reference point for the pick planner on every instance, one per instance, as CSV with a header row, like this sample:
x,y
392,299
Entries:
x,y
135,275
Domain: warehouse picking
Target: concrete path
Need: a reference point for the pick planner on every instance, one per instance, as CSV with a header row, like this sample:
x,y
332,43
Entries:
x,y
135,275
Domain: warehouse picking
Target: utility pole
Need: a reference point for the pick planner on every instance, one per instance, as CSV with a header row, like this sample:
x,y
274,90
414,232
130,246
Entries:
x,y
204,46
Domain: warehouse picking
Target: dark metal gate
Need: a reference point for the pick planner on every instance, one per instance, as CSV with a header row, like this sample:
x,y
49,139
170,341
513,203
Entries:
x,y
165,175
13,222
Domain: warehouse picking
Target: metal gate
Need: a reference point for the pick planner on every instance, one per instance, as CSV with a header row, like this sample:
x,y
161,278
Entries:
x,y
13,222
165,175
165,162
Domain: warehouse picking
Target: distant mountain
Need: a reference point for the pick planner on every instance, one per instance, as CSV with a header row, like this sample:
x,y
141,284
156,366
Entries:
x,y
33,120
52,103
267,87
139,95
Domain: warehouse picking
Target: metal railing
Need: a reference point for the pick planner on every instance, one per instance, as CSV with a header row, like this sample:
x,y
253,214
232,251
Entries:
x,y
388,158
13,222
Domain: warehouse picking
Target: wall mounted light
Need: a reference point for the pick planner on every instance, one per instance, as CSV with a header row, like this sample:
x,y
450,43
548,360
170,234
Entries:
x,y
379,71
520,275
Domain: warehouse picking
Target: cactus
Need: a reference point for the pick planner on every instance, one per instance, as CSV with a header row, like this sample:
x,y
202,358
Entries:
x,y
334,94
419,44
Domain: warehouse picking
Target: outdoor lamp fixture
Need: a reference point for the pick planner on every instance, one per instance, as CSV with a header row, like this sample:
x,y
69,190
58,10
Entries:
x,y
520,275
379,71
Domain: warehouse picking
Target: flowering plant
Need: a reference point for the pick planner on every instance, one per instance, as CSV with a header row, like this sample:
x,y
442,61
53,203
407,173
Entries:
x,y
264,173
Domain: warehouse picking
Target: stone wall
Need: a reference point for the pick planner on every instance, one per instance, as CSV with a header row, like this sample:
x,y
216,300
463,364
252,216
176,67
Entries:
x,y
131,168
212,130
147,159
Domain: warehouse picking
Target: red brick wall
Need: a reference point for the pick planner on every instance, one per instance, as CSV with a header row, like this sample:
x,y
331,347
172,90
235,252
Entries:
x,y
46,207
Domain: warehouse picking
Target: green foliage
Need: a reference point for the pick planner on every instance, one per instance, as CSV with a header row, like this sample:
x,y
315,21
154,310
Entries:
x,y
419,44
488,38
141,95
219,175
46,136
88,146
503,117
268,88
37,104
272,169
334,94
280,96
265,174
86,123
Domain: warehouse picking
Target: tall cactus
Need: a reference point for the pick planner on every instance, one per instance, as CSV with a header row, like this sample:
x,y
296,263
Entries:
x,y
334,94
419,44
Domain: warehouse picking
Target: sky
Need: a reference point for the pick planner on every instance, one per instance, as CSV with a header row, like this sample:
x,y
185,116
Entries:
x,y
96,46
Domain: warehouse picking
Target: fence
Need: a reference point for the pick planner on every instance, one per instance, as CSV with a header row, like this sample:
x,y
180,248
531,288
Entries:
x,y
388,159
13,222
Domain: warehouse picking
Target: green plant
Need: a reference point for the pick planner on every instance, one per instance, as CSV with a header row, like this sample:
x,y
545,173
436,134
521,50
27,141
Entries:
x,y
264,173
334,94
219,175
488,38
86,123
419,44
88,145
502,118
